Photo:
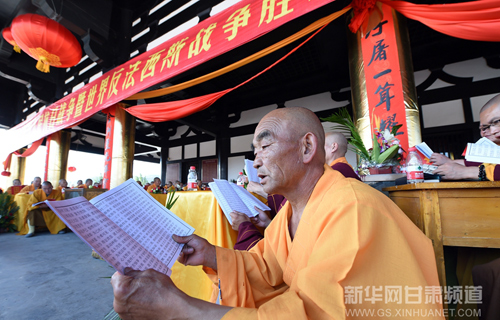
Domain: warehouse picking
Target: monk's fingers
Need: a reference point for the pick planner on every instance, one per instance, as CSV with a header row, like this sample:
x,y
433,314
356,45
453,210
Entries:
x,y
131,272
187,250
185,239
121,286
258,209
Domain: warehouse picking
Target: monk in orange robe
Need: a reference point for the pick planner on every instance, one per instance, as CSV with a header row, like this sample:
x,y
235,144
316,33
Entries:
x,y
63,184
37,184
170,186
335,240
156,184
41,215
15,188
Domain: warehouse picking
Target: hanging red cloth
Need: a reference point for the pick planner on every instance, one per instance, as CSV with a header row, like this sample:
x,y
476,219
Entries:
x,y
474,20
167,111
27,153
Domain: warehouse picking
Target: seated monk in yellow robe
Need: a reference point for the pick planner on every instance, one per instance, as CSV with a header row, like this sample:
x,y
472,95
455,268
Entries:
x,y
336,246
37,184
41,215
156,184
15,188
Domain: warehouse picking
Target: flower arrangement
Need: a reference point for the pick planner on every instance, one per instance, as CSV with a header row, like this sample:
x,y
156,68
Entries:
x,y
170,200
159,190
386,151
8,209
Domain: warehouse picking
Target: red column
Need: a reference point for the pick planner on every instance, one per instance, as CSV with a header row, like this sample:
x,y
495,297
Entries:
x,y
108,146
46,173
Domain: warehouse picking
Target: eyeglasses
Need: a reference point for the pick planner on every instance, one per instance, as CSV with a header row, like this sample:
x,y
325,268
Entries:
x,y
494,123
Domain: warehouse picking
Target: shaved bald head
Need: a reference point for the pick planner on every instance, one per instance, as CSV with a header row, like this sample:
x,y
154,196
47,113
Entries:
x,y
493,102
489,120
289,153
335,146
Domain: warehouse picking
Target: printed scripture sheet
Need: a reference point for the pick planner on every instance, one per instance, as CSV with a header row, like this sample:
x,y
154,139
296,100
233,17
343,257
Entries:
x,y
142,217
112,243
249,200
231,199
483,152
251,171
227,198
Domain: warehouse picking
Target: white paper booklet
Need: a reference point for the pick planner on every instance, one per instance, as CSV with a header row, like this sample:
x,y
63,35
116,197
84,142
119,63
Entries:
x,y
126,227
251,171
485,141
424,149
234,198
483,152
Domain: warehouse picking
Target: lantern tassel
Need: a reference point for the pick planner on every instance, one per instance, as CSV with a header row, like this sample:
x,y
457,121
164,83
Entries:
x,y
17,48
43,65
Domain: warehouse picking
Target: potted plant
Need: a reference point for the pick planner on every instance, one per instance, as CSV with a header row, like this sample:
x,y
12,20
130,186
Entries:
x,y
8,209
386,152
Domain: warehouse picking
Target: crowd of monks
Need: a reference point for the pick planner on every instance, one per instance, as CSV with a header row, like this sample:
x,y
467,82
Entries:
x,y
328,241
40,215
157,187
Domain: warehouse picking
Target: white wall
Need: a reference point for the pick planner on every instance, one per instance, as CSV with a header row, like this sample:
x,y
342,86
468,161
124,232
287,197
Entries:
x,y
235,166
190,151
241,143
207,149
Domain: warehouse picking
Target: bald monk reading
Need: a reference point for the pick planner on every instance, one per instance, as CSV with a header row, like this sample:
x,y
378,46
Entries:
x,y
36,185
485,275
248,232
41,215
489,118
15,188
333,235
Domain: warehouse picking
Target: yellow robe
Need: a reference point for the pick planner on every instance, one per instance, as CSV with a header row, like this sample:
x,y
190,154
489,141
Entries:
x,y
349,236
151,187
30,188
54,224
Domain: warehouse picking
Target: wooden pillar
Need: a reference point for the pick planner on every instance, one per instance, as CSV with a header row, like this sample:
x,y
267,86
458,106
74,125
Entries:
x,y
223,147
382,81
18,168
164,160
58,156
123,147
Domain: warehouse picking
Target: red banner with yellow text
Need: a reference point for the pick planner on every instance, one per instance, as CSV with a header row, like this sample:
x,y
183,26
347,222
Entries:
x,y
383,78
237,25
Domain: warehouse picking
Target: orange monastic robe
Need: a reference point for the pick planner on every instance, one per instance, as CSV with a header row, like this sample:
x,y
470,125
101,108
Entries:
x,y
350,241
13,190
151,187
29,188
54,224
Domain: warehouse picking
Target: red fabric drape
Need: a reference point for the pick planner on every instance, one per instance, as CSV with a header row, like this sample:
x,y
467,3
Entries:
x,y
28,152
167,111
474,20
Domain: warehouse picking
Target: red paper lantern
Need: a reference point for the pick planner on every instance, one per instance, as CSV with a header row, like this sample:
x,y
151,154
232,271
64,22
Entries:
x,y
71,169
47,41
6,173
7,35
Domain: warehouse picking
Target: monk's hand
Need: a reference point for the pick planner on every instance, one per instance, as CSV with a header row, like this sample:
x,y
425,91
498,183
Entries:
x,y
438,159
196,251
238,218
147,295
256,188
451,171
262,220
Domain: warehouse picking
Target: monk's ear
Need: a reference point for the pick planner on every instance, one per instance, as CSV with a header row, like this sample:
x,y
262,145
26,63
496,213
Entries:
x,y
335,147
309,147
